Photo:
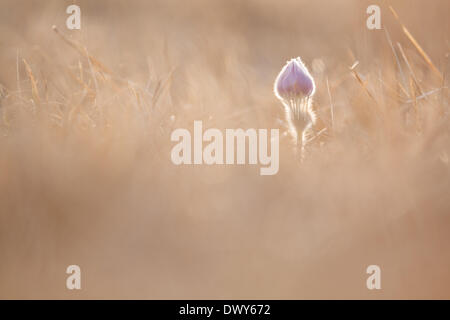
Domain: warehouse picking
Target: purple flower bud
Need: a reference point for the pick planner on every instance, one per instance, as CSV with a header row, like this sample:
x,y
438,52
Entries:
x,y
294,81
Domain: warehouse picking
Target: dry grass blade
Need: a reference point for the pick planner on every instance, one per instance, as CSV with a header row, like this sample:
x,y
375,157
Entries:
x,y
414,100
160,88
397,61
82,50
18,73
331,105
416,45
34,88
361,82
411,71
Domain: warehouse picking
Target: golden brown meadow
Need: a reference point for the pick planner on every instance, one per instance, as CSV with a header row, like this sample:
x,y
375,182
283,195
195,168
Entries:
x,y
86,176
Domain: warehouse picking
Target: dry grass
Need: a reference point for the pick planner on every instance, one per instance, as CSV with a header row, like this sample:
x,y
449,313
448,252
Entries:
x,y
86,176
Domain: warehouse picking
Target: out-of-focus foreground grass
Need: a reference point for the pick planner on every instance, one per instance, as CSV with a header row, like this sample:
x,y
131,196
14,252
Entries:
x,y
86,176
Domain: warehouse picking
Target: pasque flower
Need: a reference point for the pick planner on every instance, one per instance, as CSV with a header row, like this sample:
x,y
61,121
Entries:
x,y
295,87
294,81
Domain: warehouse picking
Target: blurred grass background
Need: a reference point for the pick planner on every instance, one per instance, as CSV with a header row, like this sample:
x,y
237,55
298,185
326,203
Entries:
x,y
86,176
